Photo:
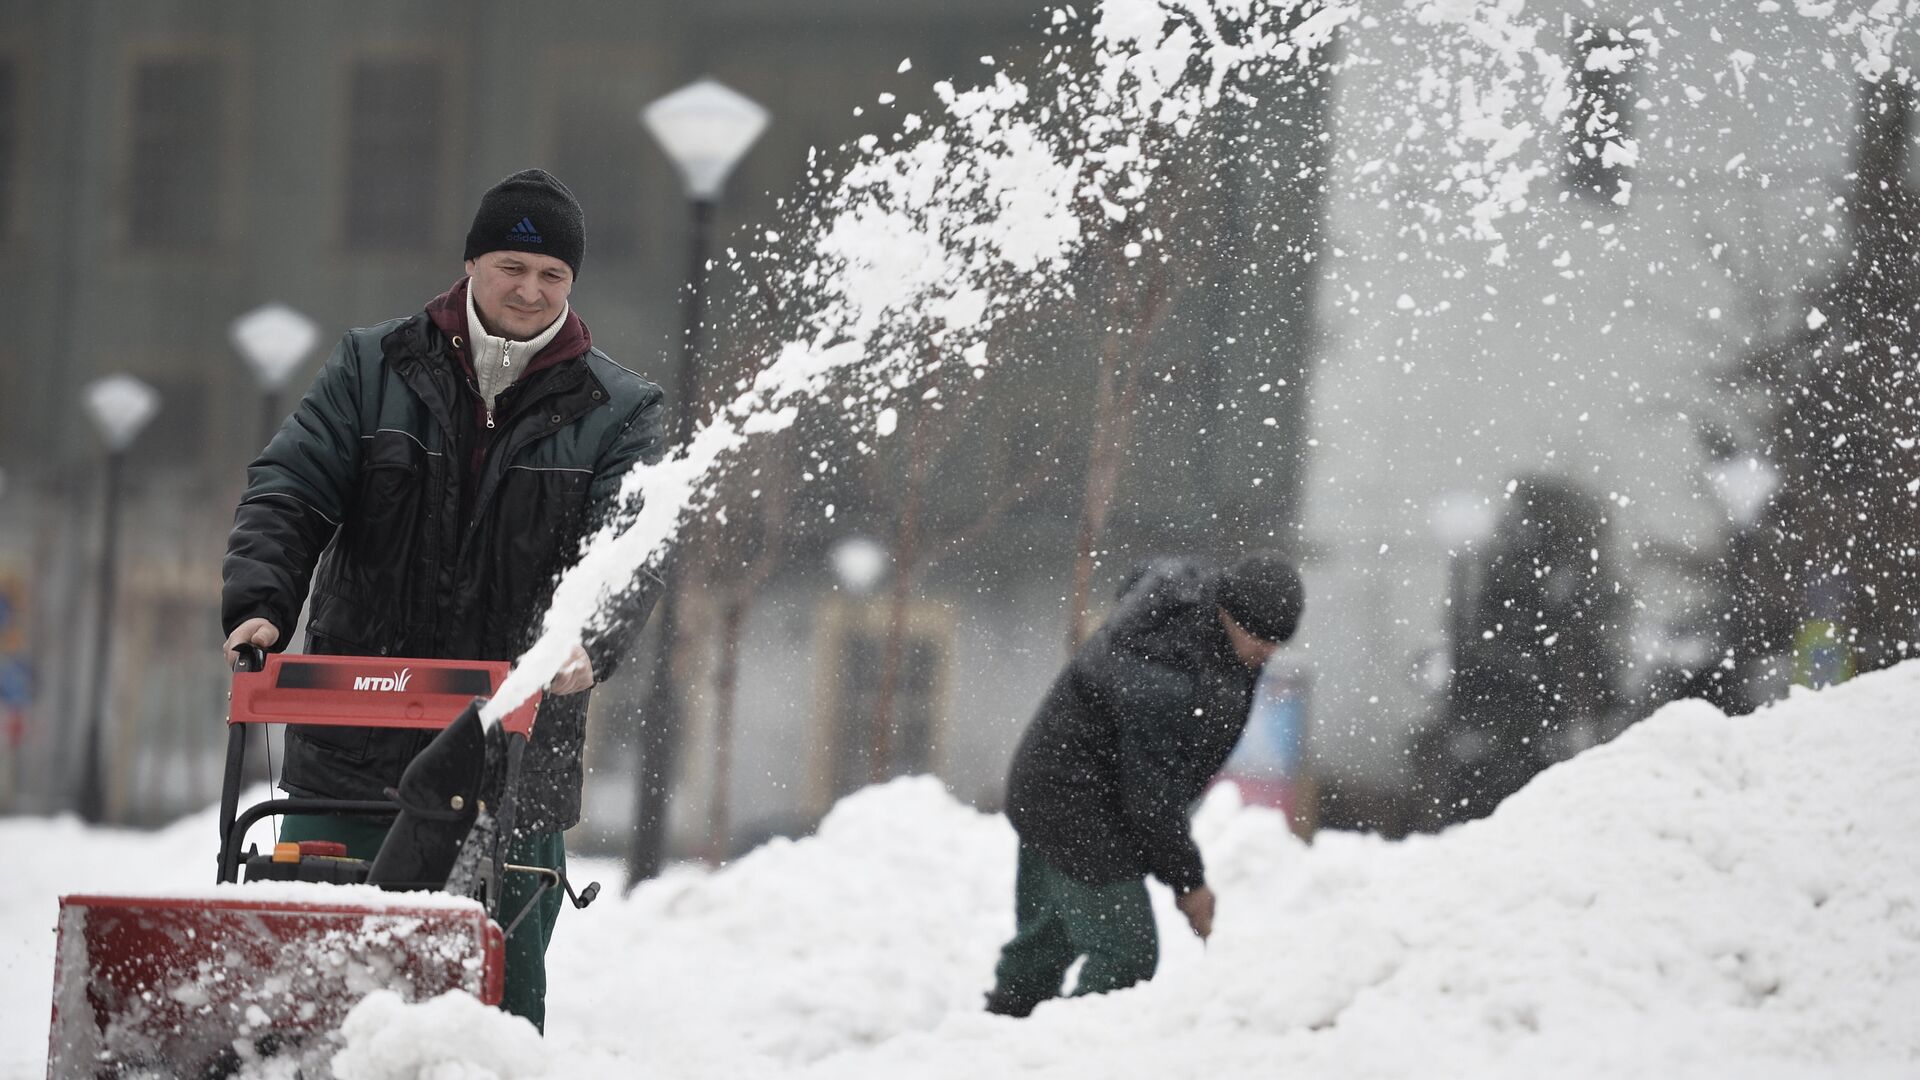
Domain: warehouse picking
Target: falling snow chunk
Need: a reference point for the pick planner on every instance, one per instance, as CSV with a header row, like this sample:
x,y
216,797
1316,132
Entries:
x,y
1816,319
1742,62
1270,422
1613,58
885,424
1405,303
1383,549
905,66
1133,251
1735,162
772,420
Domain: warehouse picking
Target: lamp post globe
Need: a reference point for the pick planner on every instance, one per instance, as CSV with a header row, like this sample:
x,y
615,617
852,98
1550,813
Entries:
x,y
705,127
120,406
859,562
273,339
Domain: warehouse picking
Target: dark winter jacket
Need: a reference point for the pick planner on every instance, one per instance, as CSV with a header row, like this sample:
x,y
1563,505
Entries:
x,y
435,537
1131,733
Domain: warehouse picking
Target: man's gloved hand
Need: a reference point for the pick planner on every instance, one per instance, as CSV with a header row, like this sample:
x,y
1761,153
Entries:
x,y
1197,906
252,632
574,676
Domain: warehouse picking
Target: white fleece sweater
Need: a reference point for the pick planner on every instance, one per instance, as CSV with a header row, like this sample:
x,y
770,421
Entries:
x,y
497,361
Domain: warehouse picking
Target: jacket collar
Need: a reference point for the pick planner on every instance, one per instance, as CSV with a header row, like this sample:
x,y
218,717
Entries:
x,y
449,313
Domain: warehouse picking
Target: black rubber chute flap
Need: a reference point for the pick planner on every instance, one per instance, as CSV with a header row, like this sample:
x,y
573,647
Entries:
x,y
439,796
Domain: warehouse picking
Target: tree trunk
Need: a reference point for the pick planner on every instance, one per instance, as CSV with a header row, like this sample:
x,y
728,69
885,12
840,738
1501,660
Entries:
x,y
906,556
725,687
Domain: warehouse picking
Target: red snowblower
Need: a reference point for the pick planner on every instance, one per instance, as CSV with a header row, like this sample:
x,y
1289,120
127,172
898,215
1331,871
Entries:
x,y
204,984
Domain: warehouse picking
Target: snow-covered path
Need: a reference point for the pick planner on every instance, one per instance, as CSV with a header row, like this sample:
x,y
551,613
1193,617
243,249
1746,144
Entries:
x,y
1702,897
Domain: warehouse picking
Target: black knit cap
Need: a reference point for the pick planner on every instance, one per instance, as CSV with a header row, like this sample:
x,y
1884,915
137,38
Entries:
x,y
529,211
1262,592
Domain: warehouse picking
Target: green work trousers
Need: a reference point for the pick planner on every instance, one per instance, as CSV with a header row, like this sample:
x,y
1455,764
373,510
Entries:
x,y
526,985
1058,918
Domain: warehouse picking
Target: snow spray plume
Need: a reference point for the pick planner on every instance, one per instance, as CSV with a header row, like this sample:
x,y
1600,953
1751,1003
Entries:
x,y
975,214
970,217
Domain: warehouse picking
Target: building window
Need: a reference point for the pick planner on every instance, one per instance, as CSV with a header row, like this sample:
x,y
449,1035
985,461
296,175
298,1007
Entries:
x,y
1601,150
597,154
394,154
854,653
173,167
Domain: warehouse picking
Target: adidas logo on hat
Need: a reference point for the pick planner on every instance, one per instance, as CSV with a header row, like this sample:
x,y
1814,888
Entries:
x,y
531,211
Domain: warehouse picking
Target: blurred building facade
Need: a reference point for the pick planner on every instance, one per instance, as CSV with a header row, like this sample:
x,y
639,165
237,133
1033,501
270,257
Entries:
x,y
165,167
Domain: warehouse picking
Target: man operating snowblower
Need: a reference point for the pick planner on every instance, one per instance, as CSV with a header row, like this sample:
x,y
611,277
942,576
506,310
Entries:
x,y
431,486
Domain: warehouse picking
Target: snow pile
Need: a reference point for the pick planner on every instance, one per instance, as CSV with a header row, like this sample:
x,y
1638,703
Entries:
x,y
453,1037
1702,897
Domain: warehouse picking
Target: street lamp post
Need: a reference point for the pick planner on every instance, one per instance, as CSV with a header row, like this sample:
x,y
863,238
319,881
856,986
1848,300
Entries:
x,y
704,128
1744,484
120,406
1460,521
273,339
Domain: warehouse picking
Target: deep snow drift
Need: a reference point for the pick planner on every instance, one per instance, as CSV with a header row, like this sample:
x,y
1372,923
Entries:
x,y
1703,897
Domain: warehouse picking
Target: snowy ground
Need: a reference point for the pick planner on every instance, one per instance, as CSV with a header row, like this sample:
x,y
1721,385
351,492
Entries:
x,y
1702,897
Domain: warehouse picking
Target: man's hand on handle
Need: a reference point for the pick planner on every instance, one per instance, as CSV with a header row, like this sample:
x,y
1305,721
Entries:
x,y
575,675
1197,906
252,632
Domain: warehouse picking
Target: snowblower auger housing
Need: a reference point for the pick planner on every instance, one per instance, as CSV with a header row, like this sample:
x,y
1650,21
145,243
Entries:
x,y
190,985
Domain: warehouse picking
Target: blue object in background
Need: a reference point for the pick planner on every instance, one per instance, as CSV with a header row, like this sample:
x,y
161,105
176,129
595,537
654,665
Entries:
x,y
16,682
1275,742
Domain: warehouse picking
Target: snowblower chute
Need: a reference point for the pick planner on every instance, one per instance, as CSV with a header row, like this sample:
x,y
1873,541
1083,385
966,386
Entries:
x,y
192,985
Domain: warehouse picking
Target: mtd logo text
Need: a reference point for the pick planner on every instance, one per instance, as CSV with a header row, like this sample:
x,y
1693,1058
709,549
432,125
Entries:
x,y
396,682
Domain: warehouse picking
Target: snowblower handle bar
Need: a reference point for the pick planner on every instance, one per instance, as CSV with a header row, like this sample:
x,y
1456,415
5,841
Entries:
x,y
343,691
367,691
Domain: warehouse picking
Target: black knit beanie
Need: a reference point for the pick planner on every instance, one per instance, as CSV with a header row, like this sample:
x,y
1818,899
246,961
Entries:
x,y
529,211
1263,593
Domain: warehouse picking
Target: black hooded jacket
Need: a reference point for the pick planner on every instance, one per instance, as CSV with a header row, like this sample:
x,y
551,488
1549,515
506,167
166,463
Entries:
x,y
424,534
1131,733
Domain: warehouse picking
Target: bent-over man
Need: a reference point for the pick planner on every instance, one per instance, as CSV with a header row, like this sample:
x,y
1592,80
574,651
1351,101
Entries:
x,y
1130,734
